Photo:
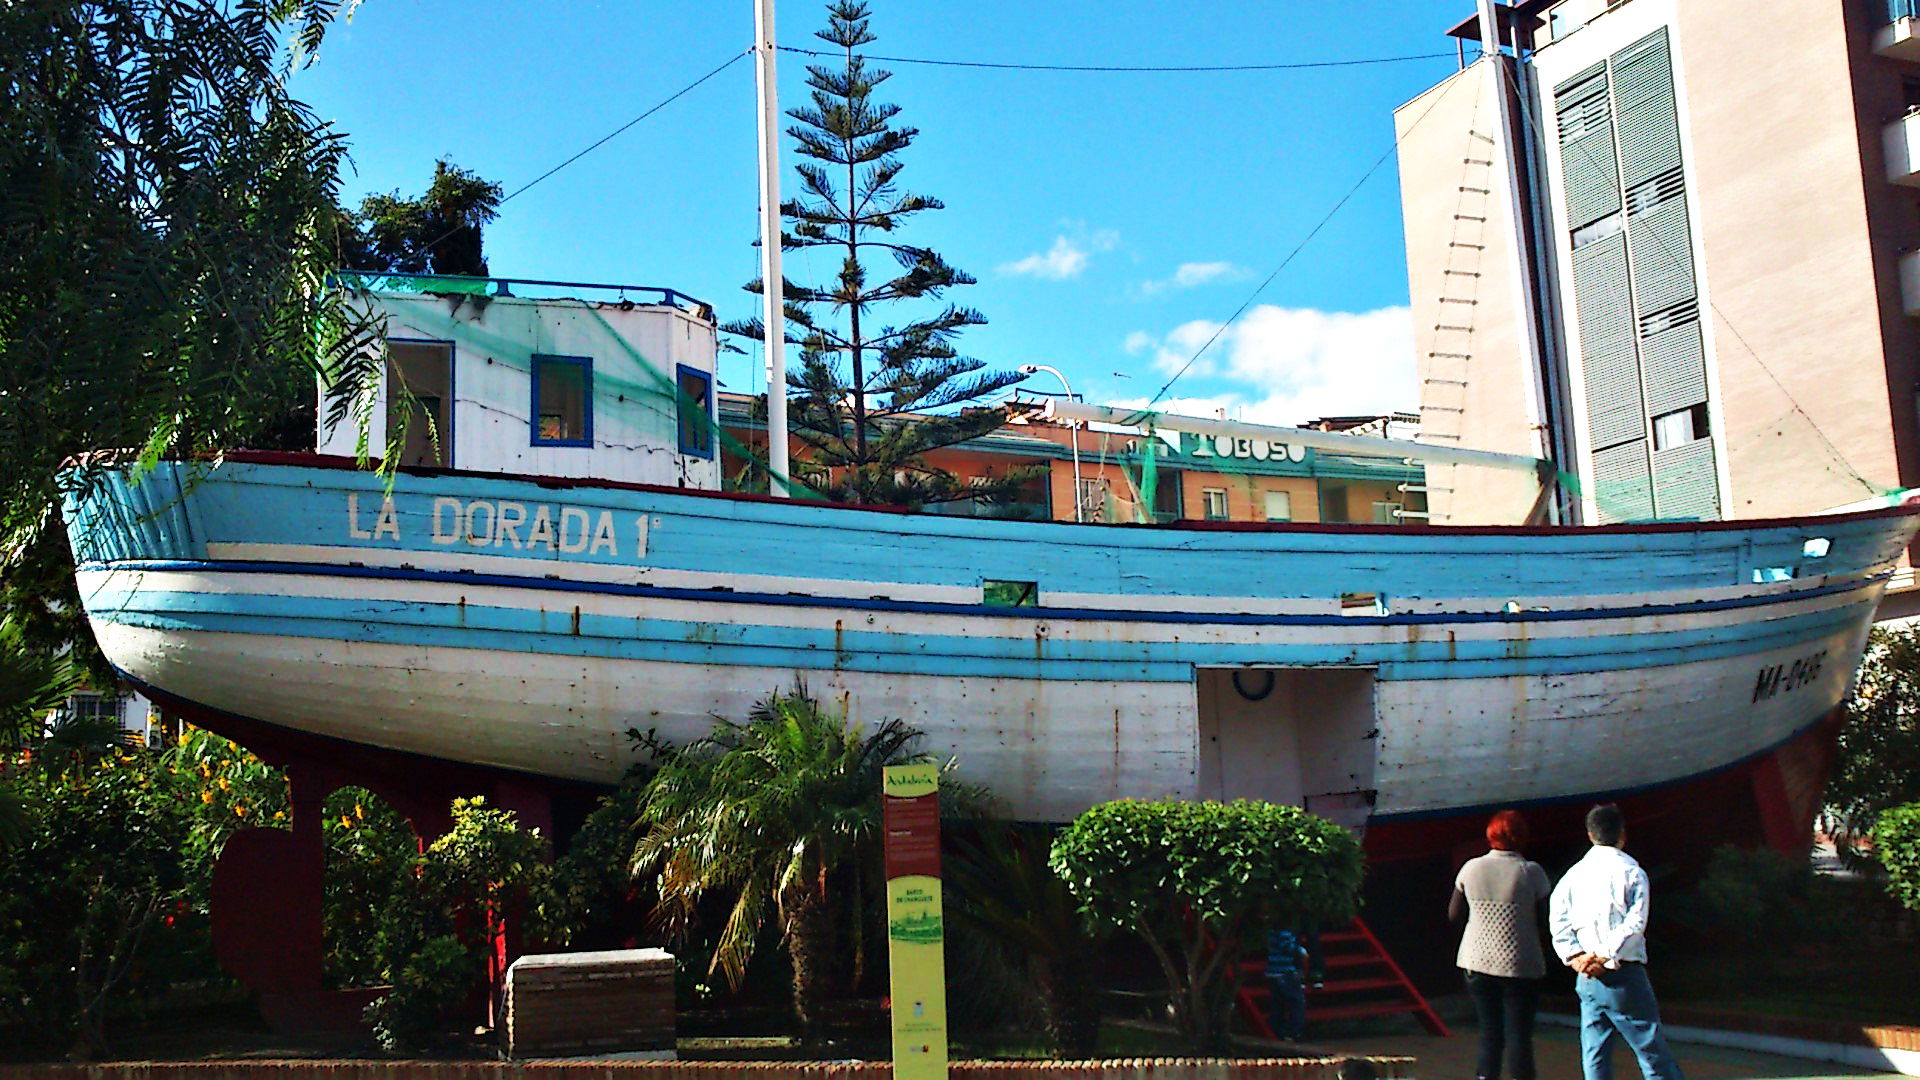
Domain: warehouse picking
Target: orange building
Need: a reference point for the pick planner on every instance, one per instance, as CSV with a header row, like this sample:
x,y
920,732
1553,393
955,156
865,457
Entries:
x,y
1193,477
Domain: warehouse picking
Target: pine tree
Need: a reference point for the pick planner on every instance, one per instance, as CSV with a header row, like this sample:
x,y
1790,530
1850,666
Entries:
x,y
870,401
435,233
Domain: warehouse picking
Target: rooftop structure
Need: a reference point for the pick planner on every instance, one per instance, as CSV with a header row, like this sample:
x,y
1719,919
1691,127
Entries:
x,y
599,381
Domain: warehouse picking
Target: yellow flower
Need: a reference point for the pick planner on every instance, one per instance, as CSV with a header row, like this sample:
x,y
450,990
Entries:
x,y
225,784
239,811
206,796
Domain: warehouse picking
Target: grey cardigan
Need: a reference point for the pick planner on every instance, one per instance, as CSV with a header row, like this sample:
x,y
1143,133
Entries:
x,y
1503,890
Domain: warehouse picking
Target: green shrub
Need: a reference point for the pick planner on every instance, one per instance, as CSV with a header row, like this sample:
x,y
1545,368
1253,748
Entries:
x,y
1896,842
1877,765
431,946
1200,882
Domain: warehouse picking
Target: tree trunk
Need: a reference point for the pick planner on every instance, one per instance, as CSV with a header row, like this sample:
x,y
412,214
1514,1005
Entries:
x,y
810,946
1073,1007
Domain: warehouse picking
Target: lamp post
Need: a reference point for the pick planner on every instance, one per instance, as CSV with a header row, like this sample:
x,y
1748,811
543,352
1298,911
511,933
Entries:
x,y
1079,509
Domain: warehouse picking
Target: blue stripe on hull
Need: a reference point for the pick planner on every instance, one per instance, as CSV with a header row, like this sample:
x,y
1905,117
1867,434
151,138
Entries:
x,y
175,512
698,641
923,607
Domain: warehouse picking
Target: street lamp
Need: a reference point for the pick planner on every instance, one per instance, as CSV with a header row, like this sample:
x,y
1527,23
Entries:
x,y
1079,508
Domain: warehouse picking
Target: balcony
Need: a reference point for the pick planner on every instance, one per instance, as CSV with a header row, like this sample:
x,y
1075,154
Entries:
x,y
1910,283
1900,38
1901,140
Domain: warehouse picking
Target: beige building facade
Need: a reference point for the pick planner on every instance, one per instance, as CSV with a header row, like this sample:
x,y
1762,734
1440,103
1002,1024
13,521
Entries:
x,y
1719,200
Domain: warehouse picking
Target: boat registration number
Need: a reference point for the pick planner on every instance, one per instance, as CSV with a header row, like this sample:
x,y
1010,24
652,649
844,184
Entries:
x,y
1781,678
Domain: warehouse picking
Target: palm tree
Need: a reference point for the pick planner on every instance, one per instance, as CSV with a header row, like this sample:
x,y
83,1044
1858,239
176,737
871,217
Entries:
x,y
1005,889
31,685
779,815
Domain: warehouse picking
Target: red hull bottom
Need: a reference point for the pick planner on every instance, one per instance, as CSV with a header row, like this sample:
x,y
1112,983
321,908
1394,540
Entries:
x,y
1768,801
267,884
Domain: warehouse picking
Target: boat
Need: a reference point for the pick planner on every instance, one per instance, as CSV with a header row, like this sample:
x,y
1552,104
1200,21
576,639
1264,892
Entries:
x,y
1374,674
550,577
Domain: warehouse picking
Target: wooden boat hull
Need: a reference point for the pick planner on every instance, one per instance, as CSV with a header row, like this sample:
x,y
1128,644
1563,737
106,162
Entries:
x,y
1379,675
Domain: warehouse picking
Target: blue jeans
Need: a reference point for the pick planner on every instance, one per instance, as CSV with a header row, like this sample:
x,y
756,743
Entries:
x,y
1621,1003
1287,1006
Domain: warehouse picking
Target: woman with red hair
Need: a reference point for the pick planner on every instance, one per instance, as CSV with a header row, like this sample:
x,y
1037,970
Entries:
x,y
1498,896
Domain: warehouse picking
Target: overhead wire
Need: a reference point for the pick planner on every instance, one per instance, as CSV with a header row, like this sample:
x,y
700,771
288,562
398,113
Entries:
x,y
994,65
596,144
1299,247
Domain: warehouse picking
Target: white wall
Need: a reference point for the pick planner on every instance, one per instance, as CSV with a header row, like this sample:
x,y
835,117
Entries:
x,y
635,350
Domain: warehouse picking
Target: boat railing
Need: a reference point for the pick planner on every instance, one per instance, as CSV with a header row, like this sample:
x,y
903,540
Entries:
x,y
524,288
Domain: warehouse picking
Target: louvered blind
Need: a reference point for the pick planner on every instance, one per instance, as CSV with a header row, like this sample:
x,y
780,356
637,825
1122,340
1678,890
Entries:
x,y
1685,482
1585,118
1623,483
1662,247
1610,367
1648,120
1674,359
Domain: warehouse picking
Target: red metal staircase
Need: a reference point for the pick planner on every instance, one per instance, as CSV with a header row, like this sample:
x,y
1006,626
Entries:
x,y
1361,980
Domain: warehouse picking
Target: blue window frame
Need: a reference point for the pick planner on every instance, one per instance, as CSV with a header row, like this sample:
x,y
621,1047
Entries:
x,y
562,401
695,400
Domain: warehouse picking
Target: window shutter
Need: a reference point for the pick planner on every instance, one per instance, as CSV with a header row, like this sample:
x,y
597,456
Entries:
x,y
1674,357
1648,120
1603,306
1685,483
1586,146
1623,483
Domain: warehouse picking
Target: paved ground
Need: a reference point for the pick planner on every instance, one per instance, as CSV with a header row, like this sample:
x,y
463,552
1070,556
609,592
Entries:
x,y
1557,1052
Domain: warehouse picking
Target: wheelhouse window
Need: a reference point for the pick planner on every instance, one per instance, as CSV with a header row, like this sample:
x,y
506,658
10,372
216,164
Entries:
x,y
696,411
562,401
420,397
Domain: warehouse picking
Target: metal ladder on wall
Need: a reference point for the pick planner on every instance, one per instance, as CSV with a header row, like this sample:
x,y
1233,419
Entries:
x,y
1443,390
1362,980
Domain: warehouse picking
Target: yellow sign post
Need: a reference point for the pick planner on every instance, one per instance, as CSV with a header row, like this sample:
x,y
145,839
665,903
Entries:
x,y
916,926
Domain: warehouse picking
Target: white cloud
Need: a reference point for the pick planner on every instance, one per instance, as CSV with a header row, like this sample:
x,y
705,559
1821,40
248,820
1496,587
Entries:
x,y
1290,365
1064,260
1139,341
1194,274
1068,256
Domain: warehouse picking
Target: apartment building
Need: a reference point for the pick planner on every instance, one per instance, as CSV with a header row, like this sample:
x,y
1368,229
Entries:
x,y
1097,476
1694,282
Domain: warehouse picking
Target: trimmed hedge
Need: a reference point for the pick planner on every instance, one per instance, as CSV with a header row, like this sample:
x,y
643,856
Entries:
x,y
1896,842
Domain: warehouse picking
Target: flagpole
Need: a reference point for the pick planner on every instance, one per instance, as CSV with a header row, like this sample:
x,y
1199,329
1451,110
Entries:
x,y
773,313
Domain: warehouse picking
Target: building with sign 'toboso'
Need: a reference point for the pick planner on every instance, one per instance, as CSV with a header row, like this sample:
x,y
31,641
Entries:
x,y
1196,478
1699,292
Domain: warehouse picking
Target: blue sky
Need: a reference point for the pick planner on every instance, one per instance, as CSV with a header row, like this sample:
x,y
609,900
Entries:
x,y
1112,219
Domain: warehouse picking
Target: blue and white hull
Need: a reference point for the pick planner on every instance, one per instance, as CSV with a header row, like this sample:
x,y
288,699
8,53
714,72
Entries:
x,y
1371,673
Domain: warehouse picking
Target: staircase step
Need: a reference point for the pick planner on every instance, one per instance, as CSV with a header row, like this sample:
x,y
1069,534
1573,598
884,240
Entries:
x,y
1370,1008
1354,986
1353,960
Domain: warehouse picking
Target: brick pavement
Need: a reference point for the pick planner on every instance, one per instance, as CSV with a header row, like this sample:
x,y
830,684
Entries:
x,y
1557,1053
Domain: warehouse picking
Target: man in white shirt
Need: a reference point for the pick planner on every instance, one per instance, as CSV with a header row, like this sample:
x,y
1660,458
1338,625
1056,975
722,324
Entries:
x,y
1599,923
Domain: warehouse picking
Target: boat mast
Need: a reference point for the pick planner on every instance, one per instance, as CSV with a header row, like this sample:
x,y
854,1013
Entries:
x,y
1519,265
773,291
